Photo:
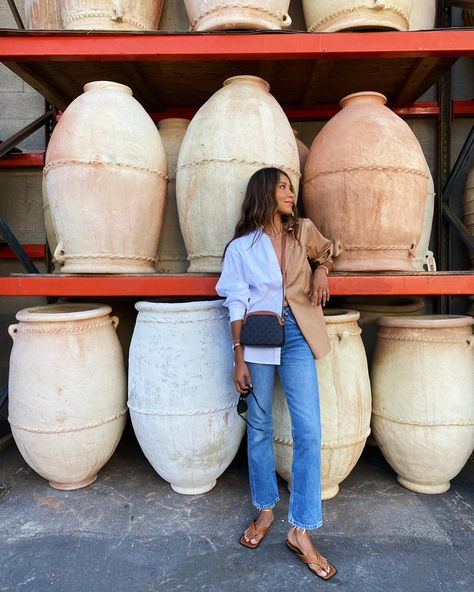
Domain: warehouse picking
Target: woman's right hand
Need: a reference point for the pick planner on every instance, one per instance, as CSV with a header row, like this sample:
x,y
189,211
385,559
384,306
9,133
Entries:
x,y
242,379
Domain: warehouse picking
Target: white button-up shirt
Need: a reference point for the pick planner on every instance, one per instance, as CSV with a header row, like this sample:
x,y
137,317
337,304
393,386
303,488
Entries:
x,y
251,280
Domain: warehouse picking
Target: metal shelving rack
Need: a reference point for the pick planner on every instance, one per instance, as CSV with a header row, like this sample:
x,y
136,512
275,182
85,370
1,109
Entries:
x,y
173,74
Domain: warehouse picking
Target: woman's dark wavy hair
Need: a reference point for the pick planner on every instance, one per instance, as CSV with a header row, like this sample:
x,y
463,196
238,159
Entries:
x,y
260,204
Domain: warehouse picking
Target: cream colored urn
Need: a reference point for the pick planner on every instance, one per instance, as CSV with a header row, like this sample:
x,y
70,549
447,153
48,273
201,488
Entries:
x,y
215,15
423,15
182,399
238,131
345,402
113,15
43,14
105,181
343,15
67,391
172,255
423,398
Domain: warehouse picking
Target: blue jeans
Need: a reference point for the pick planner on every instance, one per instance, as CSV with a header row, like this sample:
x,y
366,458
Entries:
x,y
299,380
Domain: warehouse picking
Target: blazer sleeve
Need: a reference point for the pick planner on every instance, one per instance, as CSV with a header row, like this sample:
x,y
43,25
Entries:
x,y
319,249
232,284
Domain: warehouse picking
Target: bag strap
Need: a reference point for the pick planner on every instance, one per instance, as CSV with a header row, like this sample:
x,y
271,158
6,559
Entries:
x,y
282,267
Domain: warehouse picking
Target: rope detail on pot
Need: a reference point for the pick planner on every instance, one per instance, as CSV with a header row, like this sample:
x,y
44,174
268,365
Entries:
x,y
181,413
31,327
252,163
332,445
381,169
272,13
70,429
427,424
347,11
106,256
77,16
460,339
121,165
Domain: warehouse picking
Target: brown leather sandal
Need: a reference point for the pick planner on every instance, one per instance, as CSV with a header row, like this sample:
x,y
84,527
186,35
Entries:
x,y
255,532
317,558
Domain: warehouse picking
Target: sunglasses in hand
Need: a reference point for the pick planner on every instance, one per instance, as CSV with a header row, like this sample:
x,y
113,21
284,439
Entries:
x,y
242,406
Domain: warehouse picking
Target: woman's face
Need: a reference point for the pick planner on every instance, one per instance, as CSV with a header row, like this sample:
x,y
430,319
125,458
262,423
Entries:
x,y
284,196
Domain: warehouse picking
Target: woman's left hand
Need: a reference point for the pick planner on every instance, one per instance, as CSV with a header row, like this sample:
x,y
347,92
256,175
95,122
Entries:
x,y
319,293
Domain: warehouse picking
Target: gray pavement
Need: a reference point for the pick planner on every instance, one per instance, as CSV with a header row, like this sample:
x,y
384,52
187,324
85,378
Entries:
x,y
130,532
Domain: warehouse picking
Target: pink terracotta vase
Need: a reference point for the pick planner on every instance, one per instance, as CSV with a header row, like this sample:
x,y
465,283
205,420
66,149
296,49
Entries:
x,y
365,186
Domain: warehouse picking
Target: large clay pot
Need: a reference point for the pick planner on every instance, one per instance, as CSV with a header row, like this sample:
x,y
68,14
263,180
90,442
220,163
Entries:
x,y
345,401
67,391
423,409
182,399
213,171
365,186
106,182
172,255
114,15
468,207
51,236
174,17
422,15
43,14
341,15
424,257
371,308
303,150
215,15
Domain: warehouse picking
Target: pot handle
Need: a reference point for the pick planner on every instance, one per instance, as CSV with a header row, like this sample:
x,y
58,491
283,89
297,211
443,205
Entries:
x,y
286,21
12,331
115,322
469,340
117,8
59,254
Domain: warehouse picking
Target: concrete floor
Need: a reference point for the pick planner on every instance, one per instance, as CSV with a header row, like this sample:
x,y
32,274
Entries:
x,y
130,532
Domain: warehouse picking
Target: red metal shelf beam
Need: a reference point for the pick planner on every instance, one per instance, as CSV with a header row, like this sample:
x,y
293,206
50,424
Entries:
x,y
196,285
25,160
34,251
232,46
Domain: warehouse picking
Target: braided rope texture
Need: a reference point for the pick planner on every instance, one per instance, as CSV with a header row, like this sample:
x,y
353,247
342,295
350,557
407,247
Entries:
x,y
381,169
88,426
241,6
82,328
120,165
182,413
257,163
423,424
466,339
112,256
396,10
103,14
331,445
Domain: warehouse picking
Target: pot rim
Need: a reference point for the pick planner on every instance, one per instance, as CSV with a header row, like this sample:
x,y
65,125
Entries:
x,y
364,93
65,311
170,121
107,85
248,78
164,307
340,315
427,321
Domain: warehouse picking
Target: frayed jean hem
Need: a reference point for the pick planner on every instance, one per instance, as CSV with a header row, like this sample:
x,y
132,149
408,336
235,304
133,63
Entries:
x,y
305,526
267,506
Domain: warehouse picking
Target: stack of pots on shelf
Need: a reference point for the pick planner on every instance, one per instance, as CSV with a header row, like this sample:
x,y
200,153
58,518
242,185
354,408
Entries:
x,y
345,401
468,207
113,15
172,256
423,405
350,15
217,15
43,14
105,181
181,395
366,185
67,390
239,130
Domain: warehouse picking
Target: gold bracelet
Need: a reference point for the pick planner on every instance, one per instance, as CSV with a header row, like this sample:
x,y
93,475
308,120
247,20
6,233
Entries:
x,y
325,268
235,344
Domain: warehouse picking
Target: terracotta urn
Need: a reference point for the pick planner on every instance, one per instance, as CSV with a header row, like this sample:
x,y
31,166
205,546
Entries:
x,y
365,186
172,255
43,14
105,180
423,405
67,390
182,399
345,401
303,150
468,207
239,130
216,15
113,15
350,15
422,15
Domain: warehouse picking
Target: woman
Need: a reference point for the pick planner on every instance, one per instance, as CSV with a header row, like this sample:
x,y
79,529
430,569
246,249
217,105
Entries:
x,y
251,280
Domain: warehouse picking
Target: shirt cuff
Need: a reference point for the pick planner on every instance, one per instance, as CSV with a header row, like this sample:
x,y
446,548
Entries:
x,y
236,313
